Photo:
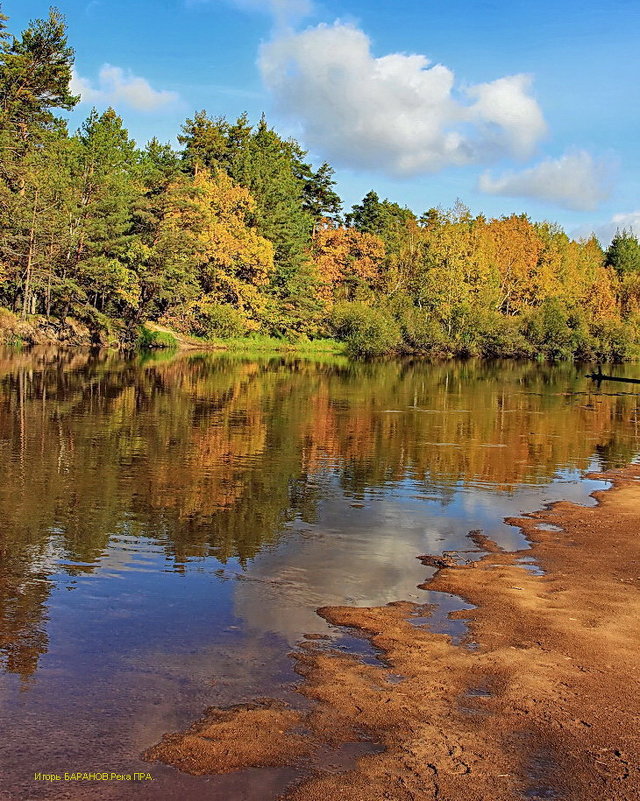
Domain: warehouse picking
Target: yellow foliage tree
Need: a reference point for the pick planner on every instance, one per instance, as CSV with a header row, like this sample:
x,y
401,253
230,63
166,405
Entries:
x,y
512,248
204,231
346,258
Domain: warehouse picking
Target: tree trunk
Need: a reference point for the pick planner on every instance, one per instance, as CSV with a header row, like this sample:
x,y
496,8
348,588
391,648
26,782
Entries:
x,y
26,297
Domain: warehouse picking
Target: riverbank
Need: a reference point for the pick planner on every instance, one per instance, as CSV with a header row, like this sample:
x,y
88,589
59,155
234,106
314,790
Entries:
x,y
70,332
91,329
541,701
162,337
40,330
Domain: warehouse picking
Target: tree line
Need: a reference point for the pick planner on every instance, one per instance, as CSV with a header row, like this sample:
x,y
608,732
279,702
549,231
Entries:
x,y
236,233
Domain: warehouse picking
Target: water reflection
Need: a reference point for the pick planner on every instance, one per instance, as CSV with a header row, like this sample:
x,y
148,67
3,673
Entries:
x,y
168,526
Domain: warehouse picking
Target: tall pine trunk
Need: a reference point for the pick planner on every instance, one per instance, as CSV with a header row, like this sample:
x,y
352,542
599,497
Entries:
x,y
26,296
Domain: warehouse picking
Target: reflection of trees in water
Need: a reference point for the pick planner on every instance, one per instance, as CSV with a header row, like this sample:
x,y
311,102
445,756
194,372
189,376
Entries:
x,y
500,424
213,454
23,598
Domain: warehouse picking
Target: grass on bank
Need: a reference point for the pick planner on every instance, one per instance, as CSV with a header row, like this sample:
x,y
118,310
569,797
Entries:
x,y
263,342
153,337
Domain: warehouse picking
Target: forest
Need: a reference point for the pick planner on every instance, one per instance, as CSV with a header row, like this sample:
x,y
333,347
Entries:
x,y
236,235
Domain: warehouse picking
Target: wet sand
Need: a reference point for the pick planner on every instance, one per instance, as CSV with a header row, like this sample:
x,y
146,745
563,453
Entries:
x,y
541,702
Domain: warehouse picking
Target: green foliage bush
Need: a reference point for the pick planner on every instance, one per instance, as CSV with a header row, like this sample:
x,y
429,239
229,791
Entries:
x,y
422,334
296,309
502,338
615,341
547,329
218,320
152,340
208,319
556,332
367,332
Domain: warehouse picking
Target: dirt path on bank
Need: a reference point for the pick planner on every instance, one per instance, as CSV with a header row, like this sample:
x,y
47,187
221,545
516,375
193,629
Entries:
x,y
543,702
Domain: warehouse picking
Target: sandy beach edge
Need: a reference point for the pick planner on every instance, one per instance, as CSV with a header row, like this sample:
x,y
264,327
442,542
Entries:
x,y
542,700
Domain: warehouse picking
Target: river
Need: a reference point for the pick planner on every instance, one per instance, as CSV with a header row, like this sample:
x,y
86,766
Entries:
x,y
170,523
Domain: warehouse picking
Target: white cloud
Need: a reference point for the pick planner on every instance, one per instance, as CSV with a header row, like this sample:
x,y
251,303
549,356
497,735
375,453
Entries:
x,y
398,114
605,231
280,9
575,180
115,87
515,116
630,220
283,11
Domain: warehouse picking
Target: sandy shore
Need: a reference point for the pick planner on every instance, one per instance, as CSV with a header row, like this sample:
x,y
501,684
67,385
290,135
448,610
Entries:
x,y
542,702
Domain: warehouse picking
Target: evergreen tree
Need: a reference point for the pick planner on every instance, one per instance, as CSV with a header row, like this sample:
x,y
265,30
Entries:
x,y
34,223
320,199
384,218
623,253
35,72
271,168
106,188
163,277
204,142
366,217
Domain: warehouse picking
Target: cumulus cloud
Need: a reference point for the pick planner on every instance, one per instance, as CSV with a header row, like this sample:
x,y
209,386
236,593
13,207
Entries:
x,y
115,87
506,107
576,181
628,221
398,113
283,11
280,9
605,231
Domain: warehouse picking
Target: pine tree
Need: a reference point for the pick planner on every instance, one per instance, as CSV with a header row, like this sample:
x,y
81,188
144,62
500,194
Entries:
x,y
106,187
271,168
366,217
623,254
384,218
205,142
33,223
35,73
319,197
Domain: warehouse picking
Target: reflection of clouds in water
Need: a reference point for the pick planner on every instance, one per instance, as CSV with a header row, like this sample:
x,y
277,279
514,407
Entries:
x,y
370,560
363,556
367,556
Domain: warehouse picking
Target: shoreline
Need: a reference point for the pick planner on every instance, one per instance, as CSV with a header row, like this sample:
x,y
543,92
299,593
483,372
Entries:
x,y
542,701
72,334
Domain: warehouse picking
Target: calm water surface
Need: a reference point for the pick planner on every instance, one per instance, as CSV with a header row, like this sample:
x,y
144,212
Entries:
x,y
169,525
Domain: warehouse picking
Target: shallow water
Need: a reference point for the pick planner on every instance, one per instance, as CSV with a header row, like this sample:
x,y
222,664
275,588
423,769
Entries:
x,y
169,525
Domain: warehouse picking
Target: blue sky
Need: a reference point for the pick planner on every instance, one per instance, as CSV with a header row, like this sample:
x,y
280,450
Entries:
x,y
510,106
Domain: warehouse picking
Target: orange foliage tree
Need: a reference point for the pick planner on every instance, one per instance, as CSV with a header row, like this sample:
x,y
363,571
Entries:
x,y
347,260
